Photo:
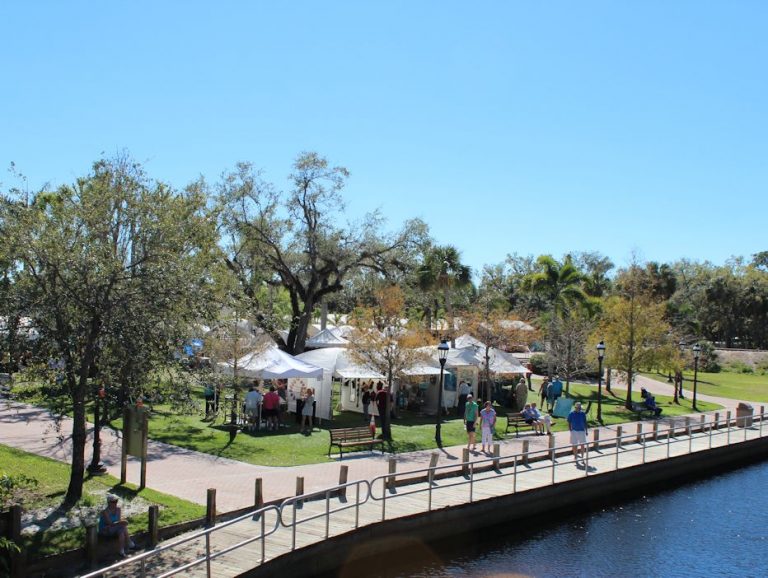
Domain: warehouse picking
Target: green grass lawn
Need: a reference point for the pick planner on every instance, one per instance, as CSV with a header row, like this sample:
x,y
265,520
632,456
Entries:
x,y
744,386
410,432
52,478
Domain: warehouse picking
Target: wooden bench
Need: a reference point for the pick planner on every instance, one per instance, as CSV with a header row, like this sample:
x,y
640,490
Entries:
x,y
345,437
642,410
515,420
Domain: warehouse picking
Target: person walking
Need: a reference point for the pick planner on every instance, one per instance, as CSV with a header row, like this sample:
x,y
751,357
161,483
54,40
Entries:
x,y
487,423
366,398
464,391
577,424
306,412
470,417
543,391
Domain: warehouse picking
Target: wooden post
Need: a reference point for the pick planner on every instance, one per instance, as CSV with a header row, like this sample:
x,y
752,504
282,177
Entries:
x,y
17,559
717,420
91,545
619,432
655,431
392,469
496,455
551,444
210,508
432,465
687,422
526,444
144,436
258,493
728,418
124,459
465,462
639,433
153,534
343,478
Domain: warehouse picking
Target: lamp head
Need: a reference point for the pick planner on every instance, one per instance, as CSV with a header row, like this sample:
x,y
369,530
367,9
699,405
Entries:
x,y
442,350
601,349
696,351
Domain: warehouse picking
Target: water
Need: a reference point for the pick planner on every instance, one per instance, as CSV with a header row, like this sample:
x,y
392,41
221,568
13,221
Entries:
x,y
712,527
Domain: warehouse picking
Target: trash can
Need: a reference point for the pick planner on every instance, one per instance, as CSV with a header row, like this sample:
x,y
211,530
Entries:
x,y
744,413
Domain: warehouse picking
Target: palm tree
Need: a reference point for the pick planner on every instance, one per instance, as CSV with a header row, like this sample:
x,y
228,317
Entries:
x,y
560,284
443,272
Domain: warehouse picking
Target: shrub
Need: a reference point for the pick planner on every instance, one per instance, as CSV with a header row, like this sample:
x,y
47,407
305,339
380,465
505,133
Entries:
x,y
540,363
738,366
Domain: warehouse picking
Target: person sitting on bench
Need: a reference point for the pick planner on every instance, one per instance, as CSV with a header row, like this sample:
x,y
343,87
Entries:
x,y
650,402
112,524
532,419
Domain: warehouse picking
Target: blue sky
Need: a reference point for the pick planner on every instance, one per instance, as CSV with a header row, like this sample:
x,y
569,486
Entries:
x,y
528,127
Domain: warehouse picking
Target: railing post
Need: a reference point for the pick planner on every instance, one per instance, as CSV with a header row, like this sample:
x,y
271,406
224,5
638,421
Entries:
x,y
551,444
465,462
432,465
728,425
687,422
712,429
153,533
343,477
702,423
497,454
596,438
258,493
392,469
299,490
669,438
762,417
639,432
690,438
655,431
717,420
514,476
210,508
619,433
91,545
526,445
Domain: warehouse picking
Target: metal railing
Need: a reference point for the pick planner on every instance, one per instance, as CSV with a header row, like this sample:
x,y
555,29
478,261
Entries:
x,y
143,560
424,481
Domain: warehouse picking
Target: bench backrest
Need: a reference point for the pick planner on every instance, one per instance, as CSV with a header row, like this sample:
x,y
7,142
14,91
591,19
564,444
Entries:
x,y
349,434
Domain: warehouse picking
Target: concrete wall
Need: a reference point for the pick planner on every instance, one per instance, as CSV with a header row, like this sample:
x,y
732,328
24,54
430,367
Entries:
x,y
381,540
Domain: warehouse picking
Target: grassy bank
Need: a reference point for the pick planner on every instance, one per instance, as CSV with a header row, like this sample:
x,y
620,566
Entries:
x,y
743,386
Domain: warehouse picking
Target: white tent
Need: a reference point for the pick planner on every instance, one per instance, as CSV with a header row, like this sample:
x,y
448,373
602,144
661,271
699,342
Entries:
x,y
272,363
326,338
337,362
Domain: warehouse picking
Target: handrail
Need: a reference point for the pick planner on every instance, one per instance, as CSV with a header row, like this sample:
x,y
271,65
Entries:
x,y
142,558
465,474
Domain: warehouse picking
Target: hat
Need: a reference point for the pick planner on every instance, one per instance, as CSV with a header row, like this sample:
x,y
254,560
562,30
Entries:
x,y
111,498
469,395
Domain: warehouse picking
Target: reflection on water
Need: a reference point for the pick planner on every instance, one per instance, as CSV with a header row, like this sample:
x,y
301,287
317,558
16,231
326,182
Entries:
x,y
714,527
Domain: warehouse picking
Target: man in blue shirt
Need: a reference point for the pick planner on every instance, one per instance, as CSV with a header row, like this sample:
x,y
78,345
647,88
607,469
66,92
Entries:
x,y
577,424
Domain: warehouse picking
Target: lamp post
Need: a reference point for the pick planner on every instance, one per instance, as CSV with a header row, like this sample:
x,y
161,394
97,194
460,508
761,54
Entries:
x,y
96,468
679,376
600,355
442,352
696,353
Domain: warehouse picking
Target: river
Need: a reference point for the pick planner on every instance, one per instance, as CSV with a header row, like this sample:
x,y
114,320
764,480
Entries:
x,y
710,527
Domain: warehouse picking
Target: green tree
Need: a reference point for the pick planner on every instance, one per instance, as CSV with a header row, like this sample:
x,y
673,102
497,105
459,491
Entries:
x,y
560,284
297,240
113,258
441,274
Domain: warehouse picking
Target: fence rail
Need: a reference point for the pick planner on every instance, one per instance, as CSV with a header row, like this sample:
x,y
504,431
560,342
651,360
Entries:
x,y
373,497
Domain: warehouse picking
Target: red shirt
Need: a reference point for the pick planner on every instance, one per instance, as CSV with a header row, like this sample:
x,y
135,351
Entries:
x,y
271,400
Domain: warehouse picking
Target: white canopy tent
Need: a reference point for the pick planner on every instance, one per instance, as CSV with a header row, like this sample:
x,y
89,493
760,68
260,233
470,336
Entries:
x,y
326,338
272,363
338,362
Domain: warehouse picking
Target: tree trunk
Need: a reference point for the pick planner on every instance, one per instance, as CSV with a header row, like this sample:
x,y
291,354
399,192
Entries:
x,y
77,473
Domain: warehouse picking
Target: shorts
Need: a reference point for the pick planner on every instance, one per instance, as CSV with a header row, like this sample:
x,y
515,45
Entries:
x,y
109,531
470,427
269,412
578,437
529,421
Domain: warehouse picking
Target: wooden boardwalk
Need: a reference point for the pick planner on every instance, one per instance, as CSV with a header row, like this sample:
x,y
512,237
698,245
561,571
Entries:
x,y
312,518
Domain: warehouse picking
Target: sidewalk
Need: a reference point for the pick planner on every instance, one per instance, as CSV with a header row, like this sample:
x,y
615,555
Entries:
x,y
188,474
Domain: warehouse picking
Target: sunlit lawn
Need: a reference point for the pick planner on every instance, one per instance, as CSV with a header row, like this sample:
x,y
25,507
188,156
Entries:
x,y
410,431
744,386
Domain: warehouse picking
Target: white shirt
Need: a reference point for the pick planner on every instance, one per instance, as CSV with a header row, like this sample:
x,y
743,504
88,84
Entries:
x,y
464,388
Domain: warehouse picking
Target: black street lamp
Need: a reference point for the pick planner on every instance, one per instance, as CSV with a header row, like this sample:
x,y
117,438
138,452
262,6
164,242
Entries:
x,y
696,353
442,352
600,355
96,468
679,376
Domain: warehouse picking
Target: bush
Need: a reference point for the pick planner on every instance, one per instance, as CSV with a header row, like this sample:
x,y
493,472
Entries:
x,y
737,366
540,363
